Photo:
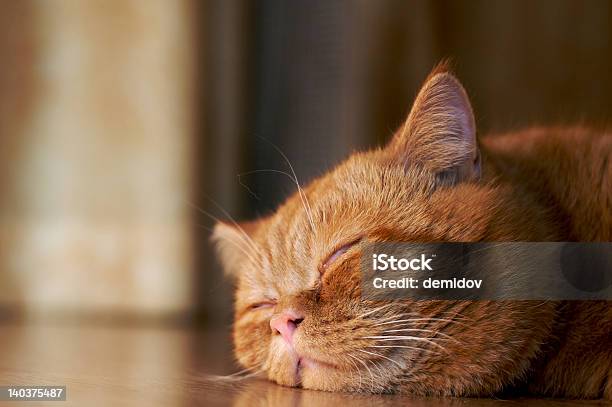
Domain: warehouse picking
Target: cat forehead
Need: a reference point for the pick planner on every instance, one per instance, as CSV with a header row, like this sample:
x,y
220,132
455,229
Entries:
x,y
356,195
364,175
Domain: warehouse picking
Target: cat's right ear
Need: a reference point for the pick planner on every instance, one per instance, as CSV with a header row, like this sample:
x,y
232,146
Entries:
x,y
439,133
235,246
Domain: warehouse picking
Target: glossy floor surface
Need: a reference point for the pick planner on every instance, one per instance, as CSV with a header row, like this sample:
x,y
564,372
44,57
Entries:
x,y
121,366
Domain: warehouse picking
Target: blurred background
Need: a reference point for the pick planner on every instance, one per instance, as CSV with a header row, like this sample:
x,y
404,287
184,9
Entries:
x,y
124,123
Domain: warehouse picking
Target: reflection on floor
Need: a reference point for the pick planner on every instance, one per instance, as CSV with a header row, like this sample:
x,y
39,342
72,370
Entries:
x,y
111,366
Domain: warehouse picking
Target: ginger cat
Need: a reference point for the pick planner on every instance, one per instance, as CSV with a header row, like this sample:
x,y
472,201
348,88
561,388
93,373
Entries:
x,y
299,316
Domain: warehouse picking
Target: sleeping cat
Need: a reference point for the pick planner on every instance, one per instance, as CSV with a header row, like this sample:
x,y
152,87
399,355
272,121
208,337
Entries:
x,y
300,319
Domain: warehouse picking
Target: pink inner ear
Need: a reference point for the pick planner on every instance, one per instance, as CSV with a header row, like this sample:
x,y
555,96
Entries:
x,y
335,255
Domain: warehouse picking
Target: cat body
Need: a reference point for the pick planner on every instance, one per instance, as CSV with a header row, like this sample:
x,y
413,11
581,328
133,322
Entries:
x,y
300,318
569,172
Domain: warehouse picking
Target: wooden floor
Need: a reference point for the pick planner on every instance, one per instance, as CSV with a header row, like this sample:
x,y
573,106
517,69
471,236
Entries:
x,y
114,366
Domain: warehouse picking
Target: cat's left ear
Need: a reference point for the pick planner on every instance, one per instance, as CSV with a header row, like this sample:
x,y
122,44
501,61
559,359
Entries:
x,y
235,246
440,132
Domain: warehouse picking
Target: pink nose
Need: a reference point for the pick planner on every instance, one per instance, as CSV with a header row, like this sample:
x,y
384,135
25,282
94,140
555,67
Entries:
x,y
285,324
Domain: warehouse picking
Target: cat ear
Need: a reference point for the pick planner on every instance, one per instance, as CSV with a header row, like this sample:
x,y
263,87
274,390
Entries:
x,y
234,245
440,133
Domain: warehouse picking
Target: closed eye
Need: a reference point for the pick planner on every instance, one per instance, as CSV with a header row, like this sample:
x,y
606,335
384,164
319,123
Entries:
x,y
336,254
262,305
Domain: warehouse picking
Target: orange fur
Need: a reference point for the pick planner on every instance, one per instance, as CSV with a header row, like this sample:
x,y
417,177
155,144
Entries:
x,y
428,184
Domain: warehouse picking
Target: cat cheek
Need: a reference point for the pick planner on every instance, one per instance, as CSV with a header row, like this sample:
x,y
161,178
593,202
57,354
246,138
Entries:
x,y
342,283
251,341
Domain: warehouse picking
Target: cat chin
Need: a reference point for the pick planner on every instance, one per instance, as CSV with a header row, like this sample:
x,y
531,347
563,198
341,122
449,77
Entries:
x,y
289,368
336,380
283,369
314,375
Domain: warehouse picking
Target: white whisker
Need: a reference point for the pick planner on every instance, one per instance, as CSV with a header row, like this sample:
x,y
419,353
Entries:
x,y
404,338
254,262
366,366
251,372
381,356
358,374
420,320
303,197
247,238
391,318
251,259
422,330
404,347
374,310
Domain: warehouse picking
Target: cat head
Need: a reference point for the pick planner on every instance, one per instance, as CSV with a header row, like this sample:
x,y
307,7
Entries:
x,y
300,319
